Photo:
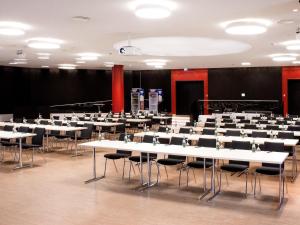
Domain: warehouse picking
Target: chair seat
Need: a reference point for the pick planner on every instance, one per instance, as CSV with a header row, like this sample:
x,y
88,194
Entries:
x,y
63,136
199,164
27,146
234,167
137,159
8,144
268,170
170,162
80,138
115,156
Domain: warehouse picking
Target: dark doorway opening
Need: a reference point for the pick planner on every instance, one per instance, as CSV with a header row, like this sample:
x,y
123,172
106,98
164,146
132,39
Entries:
x,y
294,96
188,94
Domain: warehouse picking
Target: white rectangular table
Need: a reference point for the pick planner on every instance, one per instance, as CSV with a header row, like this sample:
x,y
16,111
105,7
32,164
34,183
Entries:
x,y
18,136
190,151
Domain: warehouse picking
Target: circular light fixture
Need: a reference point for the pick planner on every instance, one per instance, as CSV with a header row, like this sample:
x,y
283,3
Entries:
x,y
10,28
80,62
156,62
295,10
44,43
152,9
158,67
18,63
67,66
246,64
284,57
109,64
45,67
88,56
247,26
292,45
296,62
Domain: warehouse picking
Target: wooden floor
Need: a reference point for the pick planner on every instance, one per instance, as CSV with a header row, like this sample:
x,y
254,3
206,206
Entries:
x,y
54,193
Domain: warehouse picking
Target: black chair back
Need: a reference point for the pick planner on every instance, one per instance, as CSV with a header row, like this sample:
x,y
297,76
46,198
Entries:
x,y
58,123
227,120
189,124
176,141
273,147
56,117
233,133
225,117
211,120
230,125
250,126
44,122
121,138
149,139
240,145
263,122
259,134
209,125
294,128
286,135
207,142
208,132
87,133
244,121
272,127
38,139
162,129
184,130
8,128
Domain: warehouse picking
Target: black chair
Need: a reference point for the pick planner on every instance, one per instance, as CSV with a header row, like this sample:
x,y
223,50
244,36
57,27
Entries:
x,y
37,142
208,131
272,127
44,122
227,120
245,121
56,117
263,122
225,117
240,167
189,124
162,129
119,154
293,128
201,163
86,134
230,125
211,120
172,160
6,128
270,169
184,130
250,126
233,133
259,134
143,157
297,123
209,125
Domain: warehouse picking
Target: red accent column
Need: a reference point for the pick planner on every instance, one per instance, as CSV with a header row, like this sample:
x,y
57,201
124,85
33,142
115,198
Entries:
x,y
117,88
190,75
288,73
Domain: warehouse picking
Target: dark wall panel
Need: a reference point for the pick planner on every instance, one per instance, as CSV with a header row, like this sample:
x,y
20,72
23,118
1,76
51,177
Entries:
x,y
262,83
28,91
149,79
294,96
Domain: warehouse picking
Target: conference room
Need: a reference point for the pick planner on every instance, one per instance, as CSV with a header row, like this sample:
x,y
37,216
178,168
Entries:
x,y
149,112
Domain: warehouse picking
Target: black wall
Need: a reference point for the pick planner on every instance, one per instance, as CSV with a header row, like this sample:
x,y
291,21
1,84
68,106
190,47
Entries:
x,y
262,83
149,79
27,92
294,96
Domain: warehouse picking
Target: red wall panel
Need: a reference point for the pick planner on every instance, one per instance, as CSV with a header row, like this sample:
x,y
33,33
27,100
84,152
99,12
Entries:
x,y
117,88
288,73
190,75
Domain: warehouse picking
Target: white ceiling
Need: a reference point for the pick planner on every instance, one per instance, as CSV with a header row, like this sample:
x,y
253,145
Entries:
x,y
112,21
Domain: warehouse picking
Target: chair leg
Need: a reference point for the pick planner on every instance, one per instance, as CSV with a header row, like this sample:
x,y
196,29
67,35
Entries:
x,y
104,173
32,157
166,172
123,169
115,166
255,176
187,176
130,163
259,181
246,191
220,180
194,175
158,173
179,177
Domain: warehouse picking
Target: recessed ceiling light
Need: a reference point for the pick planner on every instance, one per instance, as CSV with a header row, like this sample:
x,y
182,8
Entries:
x,y
43,54
286,21
20,59
44,43
185,69
67,66
109,64
153,9
284,57
156,62
80,62
158,67
292,45
295,10
296,62
43,57
18,63
45,66
10,28
246,64
247,26
89,56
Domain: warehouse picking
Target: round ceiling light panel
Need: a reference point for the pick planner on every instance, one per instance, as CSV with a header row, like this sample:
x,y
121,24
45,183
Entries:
x,y
247,26
292,45
186,46
284,57
152,9
44,43
67,66
10,28
89,56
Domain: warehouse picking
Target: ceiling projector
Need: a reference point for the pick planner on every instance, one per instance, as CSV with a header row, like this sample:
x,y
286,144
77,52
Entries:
x,y
129,51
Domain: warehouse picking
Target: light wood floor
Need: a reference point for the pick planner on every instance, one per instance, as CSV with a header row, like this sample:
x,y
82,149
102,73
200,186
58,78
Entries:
x,y
54,193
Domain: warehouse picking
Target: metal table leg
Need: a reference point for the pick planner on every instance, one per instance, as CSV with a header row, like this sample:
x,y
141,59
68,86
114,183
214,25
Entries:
x,y
213,183
21,165
95,178
206,191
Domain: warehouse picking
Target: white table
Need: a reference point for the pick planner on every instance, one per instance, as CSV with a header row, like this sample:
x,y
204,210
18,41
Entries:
x,y
190,151
18,136
49,128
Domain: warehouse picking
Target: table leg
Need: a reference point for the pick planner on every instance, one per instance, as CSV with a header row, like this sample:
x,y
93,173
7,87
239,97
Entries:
x,y
95,178
21,165
206,191
213,183
280,186
76,148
